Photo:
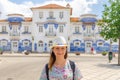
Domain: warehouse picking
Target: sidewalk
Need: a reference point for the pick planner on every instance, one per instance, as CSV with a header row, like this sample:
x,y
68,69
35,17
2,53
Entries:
x,y
47,54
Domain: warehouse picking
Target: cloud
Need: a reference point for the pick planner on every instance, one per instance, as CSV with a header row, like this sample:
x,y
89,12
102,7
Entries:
x,y
79,6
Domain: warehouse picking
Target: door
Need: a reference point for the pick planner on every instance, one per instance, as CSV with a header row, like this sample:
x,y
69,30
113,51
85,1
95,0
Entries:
x,y
14,46
88,46
49,45
40,46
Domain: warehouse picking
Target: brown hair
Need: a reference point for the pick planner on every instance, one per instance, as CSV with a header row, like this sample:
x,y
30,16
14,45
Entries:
x,y
53,58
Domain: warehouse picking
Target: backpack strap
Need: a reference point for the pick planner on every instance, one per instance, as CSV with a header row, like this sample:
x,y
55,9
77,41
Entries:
x,y
47,71
72,64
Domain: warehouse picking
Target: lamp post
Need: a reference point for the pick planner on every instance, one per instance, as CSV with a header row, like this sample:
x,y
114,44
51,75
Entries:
x,y
32,43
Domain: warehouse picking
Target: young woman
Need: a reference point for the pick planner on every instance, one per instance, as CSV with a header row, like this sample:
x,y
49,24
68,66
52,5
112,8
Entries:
x,y
59,67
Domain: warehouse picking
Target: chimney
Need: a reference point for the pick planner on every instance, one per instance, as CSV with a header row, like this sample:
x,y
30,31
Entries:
x,y
68,5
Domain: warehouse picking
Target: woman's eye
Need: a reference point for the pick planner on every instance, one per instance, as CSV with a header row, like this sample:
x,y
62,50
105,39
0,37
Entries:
x,y
57,48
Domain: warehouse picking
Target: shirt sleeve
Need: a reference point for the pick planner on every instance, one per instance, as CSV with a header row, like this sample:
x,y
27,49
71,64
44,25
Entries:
x,y
77,73
43,74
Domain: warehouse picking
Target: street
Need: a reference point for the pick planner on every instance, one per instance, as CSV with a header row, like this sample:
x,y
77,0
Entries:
x,y
29,67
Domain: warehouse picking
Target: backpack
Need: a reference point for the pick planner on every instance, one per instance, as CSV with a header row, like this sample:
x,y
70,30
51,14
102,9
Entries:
x,y
72,64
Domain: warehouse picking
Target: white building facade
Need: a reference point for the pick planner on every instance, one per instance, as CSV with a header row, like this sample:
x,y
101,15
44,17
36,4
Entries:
x,y
35,34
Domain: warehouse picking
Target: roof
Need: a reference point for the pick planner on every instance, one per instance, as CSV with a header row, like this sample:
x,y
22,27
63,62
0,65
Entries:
x,y
28,19
74,19
3,20
51,6
15,14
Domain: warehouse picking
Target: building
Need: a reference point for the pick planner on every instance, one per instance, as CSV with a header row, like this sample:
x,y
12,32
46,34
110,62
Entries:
x,y
19,33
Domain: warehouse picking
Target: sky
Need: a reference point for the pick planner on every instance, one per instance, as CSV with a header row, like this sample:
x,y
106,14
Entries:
x,y
79,6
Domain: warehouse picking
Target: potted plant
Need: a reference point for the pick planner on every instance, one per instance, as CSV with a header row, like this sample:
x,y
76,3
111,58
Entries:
x,y
104,53
26,52
1,51
77,53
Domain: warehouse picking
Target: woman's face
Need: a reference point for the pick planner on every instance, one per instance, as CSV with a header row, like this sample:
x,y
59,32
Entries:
x,y
59,50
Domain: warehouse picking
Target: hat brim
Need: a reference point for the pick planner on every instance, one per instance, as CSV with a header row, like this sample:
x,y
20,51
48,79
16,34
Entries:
x,y
58,46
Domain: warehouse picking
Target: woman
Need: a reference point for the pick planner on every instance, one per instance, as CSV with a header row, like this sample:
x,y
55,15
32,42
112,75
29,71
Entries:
x,y
59,67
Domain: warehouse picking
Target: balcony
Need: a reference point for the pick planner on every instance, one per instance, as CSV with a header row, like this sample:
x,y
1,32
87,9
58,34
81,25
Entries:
x,y
26,32
50,34
78,33
51,18
88,34
14,36
3,32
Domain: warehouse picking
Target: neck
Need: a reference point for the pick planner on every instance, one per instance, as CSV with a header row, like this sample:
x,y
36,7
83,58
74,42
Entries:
x,y
60,61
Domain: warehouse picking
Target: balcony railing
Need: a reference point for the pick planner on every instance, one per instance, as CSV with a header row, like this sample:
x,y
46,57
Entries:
x,y
88,34
26,32
77,33
14,34
51,18
50,34
3,32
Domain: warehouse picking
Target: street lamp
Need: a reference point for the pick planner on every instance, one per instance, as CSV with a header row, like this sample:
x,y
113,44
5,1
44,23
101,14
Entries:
x,y
32,43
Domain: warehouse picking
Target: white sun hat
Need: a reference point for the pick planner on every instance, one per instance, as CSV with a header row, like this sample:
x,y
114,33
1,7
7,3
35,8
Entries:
x,y
59,41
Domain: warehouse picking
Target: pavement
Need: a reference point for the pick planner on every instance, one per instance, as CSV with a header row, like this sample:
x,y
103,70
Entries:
x,y
92,67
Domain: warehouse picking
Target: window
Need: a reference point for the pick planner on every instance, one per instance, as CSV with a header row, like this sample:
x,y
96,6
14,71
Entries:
x,y
77,29
60,15
50,28
40,15
26,28
40,44
15,29
88,44
26,43
100,44
15,44
99,29
3,28
61,28
51,14
3,43
50,43
40,28
76,43
88,30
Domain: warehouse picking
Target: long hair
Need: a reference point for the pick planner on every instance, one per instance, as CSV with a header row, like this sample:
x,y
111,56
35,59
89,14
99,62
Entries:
x,y
53,58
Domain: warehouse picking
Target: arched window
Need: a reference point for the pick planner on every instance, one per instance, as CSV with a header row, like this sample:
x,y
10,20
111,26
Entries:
x,y
50,43
40,43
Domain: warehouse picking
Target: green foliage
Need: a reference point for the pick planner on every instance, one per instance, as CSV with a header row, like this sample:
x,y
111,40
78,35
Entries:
x,y
104,53
0,49
111,21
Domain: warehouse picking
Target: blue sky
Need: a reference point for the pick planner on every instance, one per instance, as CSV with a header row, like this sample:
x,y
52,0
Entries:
x,y
79,6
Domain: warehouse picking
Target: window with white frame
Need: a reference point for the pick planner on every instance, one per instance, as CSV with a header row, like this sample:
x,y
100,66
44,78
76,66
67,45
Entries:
x,y
50,43
88,29
40,15
61,15
15,44
26,43
15,28
77,43
99,29
40,28
61,28
100,43
26,28
50,28
3,28
77,29
40,44
51,14
3,43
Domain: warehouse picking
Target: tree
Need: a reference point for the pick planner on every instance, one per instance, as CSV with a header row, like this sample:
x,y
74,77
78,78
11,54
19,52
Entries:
x,y
110,22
